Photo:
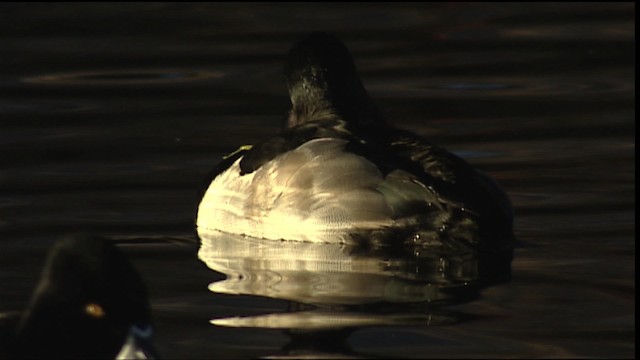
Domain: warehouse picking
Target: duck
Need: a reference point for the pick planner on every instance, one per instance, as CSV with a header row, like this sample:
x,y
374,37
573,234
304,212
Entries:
x,y
89,303
339,172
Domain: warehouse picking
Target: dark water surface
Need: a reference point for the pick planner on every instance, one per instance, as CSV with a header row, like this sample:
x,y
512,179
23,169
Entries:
x,y
112,114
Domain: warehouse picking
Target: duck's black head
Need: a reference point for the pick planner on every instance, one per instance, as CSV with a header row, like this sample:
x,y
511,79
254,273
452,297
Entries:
x,y
89,300
323,83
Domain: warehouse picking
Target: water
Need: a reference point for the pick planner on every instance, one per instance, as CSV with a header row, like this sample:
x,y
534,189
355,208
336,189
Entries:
x,y
111,116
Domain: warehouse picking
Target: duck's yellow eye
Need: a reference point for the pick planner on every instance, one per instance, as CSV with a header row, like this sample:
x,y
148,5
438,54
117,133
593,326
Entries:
x,y
94,310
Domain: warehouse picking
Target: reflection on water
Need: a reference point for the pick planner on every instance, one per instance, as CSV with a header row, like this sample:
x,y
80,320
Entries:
x,y
339,275
331,319
347,287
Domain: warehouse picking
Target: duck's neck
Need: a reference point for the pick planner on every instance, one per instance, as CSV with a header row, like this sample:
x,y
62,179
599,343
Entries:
x,y
314,104
323,84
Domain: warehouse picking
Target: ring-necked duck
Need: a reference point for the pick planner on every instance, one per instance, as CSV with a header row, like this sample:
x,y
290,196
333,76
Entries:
x,y
339,173
89,303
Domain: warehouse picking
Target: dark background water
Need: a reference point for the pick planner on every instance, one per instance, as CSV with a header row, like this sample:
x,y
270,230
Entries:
x,y
112,114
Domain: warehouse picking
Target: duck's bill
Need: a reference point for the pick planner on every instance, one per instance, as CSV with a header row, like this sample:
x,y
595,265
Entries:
x,y
138,344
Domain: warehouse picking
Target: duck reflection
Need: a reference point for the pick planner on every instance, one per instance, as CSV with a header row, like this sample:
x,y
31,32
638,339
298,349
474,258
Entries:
x,y
337,288
326,274
338,274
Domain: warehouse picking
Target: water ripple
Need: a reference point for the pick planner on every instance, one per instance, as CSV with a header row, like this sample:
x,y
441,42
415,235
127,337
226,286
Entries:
x,y
125,77
504,87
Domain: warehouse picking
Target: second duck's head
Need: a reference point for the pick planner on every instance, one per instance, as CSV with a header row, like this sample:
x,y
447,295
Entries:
x,y
90,302
323,83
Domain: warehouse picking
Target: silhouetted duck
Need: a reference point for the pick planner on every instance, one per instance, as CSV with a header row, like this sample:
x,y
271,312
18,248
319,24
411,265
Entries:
x,y
89,303
339,173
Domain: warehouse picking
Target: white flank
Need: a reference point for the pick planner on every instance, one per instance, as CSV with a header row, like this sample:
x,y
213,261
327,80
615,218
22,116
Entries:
x,y
317,192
